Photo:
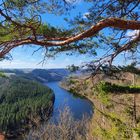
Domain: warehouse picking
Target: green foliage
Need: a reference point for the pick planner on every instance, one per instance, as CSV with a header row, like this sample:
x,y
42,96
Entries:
x,y
20,101
108,87
73,68
50,31
102,94
22,20
130,68
114,71
118,126
2,74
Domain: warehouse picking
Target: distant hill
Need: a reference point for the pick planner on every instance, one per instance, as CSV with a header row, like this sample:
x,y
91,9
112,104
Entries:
x,y
42,75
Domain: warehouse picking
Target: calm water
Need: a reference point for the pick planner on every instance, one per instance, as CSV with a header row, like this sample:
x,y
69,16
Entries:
x,y
78,106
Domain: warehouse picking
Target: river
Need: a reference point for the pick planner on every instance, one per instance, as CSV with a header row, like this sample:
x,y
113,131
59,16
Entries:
x,y
78,106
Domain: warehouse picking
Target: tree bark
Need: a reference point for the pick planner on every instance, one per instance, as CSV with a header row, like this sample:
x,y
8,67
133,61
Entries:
x,y
110,22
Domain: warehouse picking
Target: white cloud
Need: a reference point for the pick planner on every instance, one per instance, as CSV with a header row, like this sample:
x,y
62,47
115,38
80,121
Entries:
x,y
133,33
43,53
73,1
18,64
32,63
85,15
66,60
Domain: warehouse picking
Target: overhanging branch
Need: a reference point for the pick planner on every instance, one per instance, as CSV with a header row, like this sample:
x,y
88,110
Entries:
x,y
110,22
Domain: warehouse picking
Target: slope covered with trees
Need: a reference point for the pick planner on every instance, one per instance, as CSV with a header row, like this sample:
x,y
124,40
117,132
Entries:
x,y
23,103
41,75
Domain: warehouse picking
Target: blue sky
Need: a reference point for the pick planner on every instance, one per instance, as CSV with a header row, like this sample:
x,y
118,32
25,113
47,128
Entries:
x,y
23,58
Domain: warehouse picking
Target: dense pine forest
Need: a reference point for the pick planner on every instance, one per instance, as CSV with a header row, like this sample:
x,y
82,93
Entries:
x,y
22,103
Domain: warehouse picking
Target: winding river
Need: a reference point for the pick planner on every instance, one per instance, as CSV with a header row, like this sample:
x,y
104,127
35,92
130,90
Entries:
x,y
78,106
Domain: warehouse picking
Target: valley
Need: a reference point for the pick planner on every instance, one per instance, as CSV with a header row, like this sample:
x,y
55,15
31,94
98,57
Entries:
x,y
28,103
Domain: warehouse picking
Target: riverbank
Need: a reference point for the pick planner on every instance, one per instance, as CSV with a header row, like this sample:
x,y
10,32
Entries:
x,y
69,119
73,92
113,113
75,103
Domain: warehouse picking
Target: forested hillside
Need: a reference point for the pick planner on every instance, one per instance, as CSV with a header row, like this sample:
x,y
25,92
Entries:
x,y
42,75
23,103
